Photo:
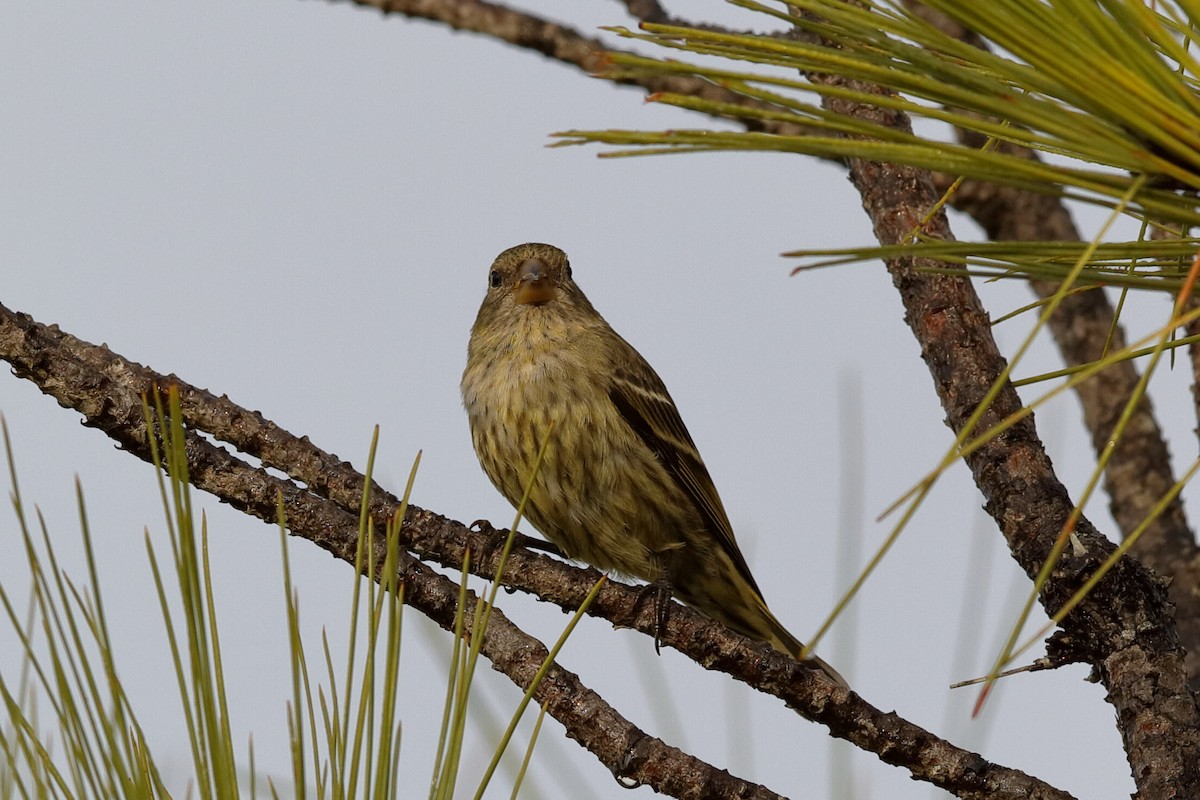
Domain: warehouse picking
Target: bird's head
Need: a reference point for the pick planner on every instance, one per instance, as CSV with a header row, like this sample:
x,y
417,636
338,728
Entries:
x,y
531,274
531,294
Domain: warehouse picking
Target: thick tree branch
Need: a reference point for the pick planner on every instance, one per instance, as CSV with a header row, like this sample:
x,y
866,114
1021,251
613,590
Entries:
x,y
107,389
1125,627
1139,473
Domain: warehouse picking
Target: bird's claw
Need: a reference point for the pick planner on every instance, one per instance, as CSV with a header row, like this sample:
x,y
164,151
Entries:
x,y
660,590
545,547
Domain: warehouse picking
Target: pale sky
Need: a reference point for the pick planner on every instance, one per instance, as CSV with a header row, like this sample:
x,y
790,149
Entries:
x,y
296,204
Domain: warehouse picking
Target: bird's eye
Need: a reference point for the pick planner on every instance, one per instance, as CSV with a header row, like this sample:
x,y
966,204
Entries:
x,y
494,278
568,270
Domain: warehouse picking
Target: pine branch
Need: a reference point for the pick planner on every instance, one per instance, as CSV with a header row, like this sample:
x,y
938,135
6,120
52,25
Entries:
x,y
108,389
1125,628
1139,472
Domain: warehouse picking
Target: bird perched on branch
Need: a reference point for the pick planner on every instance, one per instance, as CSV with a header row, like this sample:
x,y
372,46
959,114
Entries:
x,y
622,486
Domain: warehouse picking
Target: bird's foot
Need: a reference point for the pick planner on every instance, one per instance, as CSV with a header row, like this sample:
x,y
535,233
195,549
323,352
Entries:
x,y
493,542
496,537
660,590
544,546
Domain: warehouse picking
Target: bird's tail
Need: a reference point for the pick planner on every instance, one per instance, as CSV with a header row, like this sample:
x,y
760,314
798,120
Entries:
x,y
782,640
730,598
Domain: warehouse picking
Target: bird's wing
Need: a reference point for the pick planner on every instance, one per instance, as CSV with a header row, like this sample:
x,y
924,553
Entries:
x,y
644,403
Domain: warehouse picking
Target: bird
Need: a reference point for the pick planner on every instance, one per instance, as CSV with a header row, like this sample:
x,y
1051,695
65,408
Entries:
x,y
621,485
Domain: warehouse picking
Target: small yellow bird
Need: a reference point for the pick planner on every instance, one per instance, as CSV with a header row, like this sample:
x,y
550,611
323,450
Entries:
x,y
622,486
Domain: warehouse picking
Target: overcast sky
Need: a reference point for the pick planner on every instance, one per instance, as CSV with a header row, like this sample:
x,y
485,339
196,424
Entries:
x,y
296,204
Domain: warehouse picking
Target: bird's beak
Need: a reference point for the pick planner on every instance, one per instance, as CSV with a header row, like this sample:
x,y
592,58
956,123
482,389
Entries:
x,y
534,285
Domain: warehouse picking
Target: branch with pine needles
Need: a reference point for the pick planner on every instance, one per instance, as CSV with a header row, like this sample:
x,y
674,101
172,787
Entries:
x,y
1126,626
108,389
1084,328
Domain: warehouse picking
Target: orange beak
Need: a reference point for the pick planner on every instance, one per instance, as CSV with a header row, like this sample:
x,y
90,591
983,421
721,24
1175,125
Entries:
x,y
534,285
